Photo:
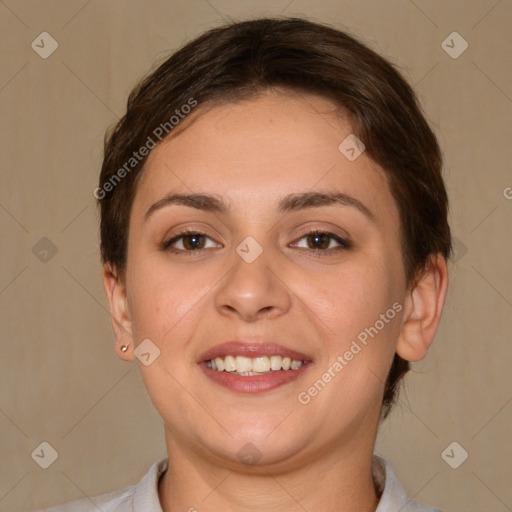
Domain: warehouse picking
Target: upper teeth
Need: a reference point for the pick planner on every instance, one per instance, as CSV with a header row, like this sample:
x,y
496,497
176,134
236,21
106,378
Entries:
x,y
255,364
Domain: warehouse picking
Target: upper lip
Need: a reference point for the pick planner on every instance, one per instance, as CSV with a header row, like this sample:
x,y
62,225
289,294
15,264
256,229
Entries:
x,y
251,349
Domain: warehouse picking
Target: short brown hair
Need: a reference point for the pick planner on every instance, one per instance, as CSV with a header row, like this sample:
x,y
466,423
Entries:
x,y
241,60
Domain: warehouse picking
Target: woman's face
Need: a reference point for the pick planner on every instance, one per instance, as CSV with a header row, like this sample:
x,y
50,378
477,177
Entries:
x,y
255,276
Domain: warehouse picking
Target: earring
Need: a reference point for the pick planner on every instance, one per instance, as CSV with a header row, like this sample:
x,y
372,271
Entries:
x,y
124,348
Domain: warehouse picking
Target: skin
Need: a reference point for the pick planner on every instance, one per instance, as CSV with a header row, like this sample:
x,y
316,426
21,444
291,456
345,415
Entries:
x,y
252,154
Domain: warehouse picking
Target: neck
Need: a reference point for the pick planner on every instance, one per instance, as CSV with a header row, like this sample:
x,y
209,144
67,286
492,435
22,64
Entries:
x,y
339,480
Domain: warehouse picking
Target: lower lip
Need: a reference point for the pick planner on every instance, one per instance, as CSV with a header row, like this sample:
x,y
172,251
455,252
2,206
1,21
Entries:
x,y
255,383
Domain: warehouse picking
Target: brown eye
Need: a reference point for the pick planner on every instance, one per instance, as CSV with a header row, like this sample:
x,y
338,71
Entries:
x,y
189,242
323,241
195,241
318,240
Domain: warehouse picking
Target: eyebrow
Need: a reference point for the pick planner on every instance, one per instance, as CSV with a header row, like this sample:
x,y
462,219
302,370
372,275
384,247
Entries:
x,y
205,202
291,202
295,202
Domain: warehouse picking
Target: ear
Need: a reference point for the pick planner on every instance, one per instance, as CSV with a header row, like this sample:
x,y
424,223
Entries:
x,y
422,310
115,291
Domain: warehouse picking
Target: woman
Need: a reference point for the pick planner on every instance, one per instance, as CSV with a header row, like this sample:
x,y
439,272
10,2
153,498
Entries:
x,y
274,237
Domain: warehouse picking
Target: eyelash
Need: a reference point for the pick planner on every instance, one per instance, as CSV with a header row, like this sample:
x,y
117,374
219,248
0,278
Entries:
x,y
343,244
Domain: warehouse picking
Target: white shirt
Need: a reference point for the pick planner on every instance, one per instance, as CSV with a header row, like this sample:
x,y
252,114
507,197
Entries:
x,y
143,497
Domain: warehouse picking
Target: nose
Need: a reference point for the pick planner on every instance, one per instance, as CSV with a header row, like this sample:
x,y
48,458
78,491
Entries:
x,y
253,291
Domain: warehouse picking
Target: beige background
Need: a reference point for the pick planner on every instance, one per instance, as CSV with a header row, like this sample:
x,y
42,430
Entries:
x,y
60,379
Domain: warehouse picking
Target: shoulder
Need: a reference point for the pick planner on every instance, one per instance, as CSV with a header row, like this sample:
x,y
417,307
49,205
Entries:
x,y
143,496
393,495
116,501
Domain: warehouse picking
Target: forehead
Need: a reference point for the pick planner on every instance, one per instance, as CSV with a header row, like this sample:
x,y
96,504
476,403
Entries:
x,y
261,149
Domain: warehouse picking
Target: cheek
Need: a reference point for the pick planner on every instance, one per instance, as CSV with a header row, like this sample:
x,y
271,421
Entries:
x,y
354,311
161,298
353,308
348,297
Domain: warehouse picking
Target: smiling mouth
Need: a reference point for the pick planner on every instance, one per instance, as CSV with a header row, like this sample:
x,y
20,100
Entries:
x,y
252,366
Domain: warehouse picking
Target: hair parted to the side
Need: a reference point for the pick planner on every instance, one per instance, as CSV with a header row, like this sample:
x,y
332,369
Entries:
x,y
244,59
